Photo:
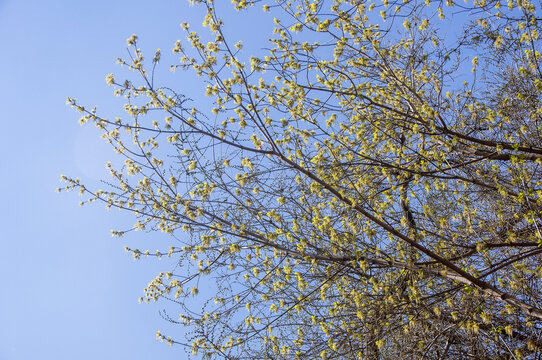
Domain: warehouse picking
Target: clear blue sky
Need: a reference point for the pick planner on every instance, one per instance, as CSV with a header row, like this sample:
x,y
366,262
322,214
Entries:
x,y
69,291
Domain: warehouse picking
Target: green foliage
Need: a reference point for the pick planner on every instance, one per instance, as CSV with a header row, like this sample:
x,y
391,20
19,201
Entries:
x,y
370,188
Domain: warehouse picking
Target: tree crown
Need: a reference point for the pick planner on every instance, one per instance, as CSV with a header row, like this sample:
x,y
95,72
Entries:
x,y
370,187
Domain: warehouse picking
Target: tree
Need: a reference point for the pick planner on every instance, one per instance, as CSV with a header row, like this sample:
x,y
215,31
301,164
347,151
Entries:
x,y
370,187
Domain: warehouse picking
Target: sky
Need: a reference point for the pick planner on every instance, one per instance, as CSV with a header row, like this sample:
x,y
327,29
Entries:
x,y
69,290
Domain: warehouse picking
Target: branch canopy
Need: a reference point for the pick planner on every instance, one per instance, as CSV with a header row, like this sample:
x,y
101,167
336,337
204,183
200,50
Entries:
x,y
368,186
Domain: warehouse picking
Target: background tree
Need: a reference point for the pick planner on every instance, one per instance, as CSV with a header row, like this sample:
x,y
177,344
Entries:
x,y
370,187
